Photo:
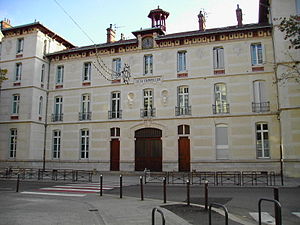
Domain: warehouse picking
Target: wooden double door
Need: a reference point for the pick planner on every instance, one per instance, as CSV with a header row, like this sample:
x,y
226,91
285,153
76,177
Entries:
x,y
148,149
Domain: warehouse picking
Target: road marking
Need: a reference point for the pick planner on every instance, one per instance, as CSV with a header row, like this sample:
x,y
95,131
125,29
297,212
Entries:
x,y
296,213
266,218
69,190
82,187
52,194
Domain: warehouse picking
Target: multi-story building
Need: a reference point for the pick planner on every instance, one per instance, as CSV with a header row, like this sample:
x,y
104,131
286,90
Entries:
x,y
201,100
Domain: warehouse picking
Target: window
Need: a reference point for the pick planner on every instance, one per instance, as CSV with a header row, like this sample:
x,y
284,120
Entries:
x,y
256,54
148,64
20,45
85,113
298,7
183,129
60,75
18,72
87,72
57,115
116,67
148,110
221,105
218,56
260,103
222,141
15,104
181,61
56,144
45,47
84,149
43,73
115,105
41,106
13,143
262,140
115,132
183,107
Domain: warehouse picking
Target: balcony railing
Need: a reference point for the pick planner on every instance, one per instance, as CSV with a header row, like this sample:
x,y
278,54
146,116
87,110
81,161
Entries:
x,y
183,110
261,107
57,117
148,113
220,108
85,116
115,114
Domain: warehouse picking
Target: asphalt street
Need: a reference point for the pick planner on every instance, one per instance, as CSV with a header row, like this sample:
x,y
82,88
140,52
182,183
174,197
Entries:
x,y
48,202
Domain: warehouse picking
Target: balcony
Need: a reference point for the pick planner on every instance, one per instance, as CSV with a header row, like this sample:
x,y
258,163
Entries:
x,y
261,107
57,117
220,108
115,114
148,113
183,110
85,116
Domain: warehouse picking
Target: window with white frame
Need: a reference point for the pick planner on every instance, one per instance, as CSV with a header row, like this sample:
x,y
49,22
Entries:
x,y
84,144
18,74
260,103
222,151
148,103
148,64
59,75
20,45
115,105
256,54
57,113
13,143
262,140
43,73
15,104
116,66
183,101
221,105
56,144
218,57
41,106
181,61
183,129
115,132
87,70
85,113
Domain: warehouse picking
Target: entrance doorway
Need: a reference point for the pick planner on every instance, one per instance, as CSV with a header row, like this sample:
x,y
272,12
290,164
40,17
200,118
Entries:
x,y
148,149
184,154
115,155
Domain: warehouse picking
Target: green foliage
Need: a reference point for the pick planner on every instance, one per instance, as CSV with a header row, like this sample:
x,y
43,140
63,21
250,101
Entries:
x,y
3,72
291,27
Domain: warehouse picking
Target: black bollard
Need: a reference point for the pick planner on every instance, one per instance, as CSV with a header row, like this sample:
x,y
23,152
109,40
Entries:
x,y
142,189
121,186
101,184
188,192
18,183
276,197
206,194
165,189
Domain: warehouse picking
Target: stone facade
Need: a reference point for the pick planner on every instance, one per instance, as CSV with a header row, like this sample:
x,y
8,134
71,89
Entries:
x,y
228,129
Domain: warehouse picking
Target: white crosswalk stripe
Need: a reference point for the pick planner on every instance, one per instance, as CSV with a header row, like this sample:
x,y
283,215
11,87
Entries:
x,y
296,214
266,218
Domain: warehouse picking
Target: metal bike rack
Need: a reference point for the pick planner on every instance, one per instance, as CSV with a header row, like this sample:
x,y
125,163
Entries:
x,y
278,218
218,205
161,213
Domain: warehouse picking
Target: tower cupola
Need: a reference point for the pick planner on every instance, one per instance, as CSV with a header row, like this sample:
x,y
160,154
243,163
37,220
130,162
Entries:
x,y
158,18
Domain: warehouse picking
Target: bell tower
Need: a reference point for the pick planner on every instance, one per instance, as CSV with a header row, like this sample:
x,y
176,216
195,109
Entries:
x,y
158,18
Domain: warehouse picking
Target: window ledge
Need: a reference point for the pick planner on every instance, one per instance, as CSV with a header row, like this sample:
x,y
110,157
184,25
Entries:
x,y
116,81
180,74
219,71
257,68
14,117
19,55
17,83
58,86
86,83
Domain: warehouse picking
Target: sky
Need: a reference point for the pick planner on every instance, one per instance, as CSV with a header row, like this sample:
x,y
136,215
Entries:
x,y
94,16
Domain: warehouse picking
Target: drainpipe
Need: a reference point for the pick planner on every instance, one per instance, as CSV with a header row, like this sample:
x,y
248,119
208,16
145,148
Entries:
x,y
46,116
278,101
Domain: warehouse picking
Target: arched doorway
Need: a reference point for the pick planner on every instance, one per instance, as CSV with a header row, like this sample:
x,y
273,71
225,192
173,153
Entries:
x,y
148,149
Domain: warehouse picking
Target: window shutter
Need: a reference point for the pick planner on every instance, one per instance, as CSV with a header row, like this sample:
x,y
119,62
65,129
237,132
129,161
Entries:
x,y
221,58
215,58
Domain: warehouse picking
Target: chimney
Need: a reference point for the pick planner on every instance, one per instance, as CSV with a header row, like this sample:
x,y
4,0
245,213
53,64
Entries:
x,y
5,24
202,21
239,15
110,34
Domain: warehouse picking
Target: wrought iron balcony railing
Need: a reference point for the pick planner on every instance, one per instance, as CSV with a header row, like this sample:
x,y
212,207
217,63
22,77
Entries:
x,y
148,113
220,108
261,107
183,110
115,114
85,116
57,117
